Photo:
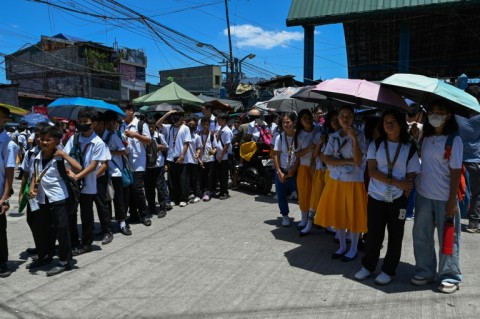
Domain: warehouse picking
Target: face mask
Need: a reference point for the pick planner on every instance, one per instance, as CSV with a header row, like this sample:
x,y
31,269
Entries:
x,y
436,120
193,128
84,127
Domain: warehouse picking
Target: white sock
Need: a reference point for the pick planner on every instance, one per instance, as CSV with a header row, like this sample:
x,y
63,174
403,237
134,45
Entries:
x,y
353,245
122,224
311,216
343,241
303,222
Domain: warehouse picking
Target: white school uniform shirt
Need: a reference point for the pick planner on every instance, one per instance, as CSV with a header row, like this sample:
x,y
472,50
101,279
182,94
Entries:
x,y
376,188
253,130
137,154
434,180
159,140
176,139
52,185
213,126
96,151
346,173
22,140
305,139
8,156
192,149
224,138
27,160
115,164
284,145
207,144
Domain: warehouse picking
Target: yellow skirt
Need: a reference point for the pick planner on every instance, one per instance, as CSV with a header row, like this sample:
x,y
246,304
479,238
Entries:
x,y
343,205
318,184
304,187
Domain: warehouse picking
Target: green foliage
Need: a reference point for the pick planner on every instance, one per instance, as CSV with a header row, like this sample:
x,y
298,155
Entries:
x,y
99,61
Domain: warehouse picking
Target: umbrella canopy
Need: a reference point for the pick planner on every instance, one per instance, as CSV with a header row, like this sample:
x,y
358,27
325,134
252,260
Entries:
x,y
163,107
425,90
33,119
361,93
285,103
306,94
222,104
15,110
68,107
171,94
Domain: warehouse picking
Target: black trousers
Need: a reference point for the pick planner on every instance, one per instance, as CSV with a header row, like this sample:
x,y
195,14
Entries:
x,y
138,204
44,236
474,179
155,182
193,182
54,218
87,218
381,215
222,175
206,177
179,177
3,239
101,203
119,199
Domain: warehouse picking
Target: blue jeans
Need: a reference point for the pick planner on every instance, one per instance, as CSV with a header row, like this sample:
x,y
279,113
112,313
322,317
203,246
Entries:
x,y
282,190
429,214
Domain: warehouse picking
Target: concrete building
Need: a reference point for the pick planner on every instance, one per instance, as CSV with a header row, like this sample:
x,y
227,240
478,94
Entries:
x,y
67,66
197,80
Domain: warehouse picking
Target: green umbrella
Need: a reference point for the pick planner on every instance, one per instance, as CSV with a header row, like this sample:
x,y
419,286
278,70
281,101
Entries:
x,y
171,94
425,90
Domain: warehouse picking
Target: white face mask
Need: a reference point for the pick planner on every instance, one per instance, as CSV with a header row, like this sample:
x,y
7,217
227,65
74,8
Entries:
x,y
436,120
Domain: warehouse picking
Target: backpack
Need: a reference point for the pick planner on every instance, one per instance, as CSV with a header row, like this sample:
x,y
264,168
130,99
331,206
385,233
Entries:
x,y
265,134
152,153
76,151
73,188
464,192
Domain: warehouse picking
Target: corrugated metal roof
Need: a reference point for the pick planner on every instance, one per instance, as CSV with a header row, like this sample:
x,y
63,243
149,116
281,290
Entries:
x,y
317,12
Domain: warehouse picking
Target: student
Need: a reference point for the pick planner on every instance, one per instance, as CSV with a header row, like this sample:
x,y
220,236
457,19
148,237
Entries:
x,y
436,200
8,157
207,160
48,190
304,146
115,169
137,136
22,144
223,140
155,176
392,164
178,140
192,159
284,162
343,203
94,151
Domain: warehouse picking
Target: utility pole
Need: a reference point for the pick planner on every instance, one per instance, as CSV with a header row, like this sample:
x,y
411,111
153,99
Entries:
x,y
232,76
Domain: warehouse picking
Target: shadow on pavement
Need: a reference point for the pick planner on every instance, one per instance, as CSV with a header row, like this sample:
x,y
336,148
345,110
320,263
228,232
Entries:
x,y
314,254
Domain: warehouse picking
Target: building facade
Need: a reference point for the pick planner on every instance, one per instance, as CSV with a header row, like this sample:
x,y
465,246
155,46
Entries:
x,y
197,80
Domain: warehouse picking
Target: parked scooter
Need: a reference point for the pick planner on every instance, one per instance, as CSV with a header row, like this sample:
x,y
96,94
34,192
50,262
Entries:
x,y
258,171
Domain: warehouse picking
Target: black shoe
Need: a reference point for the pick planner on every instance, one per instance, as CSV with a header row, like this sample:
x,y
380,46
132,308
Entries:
x,y
58,269
168,206
223,196
338,256
31,251
146,221
161,213
81,250
348,259
126,231
302,234
107,239
39,262
4,271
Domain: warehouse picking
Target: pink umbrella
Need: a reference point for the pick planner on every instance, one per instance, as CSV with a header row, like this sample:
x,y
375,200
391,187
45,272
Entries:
x,y
361,93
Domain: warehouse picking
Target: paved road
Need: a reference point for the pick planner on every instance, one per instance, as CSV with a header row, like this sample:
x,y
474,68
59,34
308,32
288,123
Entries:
x,y
225,259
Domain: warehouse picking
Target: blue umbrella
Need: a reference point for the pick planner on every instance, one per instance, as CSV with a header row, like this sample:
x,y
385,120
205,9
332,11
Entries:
x,y
33,119
68,107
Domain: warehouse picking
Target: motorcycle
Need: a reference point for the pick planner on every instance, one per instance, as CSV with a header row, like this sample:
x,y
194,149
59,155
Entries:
x,y
258,171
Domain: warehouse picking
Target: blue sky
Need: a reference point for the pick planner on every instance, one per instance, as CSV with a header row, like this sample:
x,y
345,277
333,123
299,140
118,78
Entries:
x,y
257,26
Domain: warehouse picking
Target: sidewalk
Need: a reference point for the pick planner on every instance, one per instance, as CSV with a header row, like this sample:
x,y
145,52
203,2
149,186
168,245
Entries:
x,y
225,259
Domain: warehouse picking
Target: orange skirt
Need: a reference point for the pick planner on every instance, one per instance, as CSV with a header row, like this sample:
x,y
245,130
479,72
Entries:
x,y
343,205
318,184
304,187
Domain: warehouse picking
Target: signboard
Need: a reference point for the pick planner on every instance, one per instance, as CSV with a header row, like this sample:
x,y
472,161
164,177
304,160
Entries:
x,y
40,109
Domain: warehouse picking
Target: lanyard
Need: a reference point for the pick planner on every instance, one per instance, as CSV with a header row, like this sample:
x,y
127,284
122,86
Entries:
x,y
220,135
390,163
289,150
38,177
174,136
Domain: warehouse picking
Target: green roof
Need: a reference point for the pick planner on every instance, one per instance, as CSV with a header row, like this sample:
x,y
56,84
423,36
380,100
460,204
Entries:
x,y
317,12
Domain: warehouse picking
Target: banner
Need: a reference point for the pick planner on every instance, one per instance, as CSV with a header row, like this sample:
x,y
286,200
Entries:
x,y
40,109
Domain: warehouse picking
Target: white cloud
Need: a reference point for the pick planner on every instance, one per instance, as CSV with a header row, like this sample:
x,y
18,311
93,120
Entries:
x,y
247,35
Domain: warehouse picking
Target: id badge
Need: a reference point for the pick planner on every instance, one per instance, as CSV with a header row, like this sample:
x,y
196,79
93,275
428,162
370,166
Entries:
x,y
33,202
388,195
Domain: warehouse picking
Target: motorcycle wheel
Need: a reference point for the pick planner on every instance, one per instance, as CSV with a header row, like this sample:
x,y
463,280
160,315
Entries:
x,y
264,185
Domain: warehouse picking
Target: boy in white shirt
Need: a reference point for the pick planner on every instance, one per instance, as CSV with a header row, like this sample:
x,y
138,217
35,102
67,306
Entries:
x,y
193,154
94,151
207,160
223,141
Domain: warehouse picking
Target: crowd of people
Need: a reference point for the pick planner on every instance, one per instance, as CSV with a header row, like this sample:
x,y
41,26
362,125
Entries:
x,y
353,181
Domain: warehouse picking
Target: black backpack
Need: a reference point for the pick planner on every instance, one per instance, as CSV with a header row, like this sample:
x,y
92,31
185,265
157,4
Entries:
x,y
76,151
151,148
